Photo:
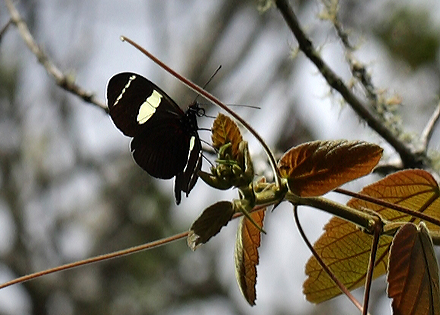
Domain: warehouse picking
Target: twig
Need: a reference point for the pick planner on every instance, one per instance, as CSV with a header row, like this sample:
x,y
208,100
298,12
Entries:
x,y
5,28
62,80
394,206
362,219
358,70
427,132
95,259
409,158
324,266
378,229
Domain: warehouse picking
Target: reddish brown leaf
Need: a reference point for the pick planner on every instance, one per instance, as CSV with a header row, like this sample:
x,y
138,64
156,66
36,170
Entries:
x,y
209,223
413,279
246,255
413,189
346,249
317,167
225,130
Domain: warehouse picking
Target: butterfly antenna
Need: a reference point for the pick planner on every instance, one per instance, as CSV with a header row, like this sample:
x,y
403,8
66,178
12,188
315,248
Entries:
x,y
212,76
244,105
209,80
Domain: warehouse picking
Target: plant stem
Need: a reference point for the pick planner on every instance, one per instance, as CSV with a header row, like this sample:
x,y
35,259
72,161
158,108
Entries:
x,y
362,219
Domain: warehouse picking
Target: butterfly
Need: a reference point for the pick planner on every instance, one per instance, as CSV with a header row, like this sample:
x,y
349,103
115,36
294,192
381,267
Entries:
x,y
165,141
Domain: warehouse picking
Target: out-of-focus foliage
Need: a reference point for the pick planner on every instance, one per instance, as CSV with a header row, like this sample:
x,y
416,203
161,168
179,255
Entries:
x,y
410,36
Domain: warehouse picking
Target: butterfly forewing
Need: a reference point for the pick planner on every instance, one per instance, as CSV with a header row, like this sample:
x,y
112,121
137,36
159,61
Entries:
x,y
128,93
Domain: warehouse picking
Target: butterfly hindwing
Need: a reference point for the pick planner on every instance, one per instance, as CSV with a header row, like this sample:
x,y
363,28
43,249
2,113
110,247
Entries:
x,y
186,180
161,151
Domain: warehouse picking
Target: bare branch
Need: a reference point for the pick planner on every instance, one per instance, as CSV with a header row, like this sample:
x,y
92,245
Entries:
x,y
5,28
324,266
381,106
62,80
358,70
409,158
427,132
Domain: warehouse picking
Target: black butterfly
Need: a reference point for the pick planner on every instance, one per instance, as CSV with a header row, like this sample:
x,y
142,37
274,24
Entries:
x,y
165,139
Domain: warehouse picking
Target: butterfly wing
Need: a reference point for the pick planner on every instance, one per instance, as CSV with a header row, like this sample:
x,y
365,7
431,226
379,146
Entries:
x,y
186,180
165,140
136,103
141,110
161,151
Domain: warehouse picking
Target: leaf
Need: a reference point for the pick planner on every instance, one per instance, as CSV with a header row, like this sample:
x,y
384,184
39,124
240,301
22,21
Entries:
x,y
315,168
414,189
209,223
413,278
346,249
246,255
225,130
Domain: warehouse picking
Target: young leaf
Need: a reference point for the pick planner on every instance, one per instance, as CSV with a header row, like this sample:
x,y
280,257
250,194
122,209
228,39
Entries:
x,y
209,223
315,168
345,249
413,189
413,278
246,255
225,130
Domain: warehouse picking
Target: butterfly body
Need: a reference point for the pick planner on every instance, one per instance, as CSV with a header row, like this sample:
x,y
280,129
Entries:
x,y
165,139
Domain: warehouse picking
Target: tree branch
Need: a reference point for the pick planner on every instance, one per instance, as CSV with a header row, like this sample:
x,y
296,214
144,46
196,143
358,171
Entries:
x,y
427,132
358,70
5,28
61,80
410,158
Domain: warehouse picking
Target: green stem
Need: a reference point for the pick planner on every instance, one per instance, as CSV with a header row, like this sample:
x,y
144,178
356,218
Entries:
x,y
360,218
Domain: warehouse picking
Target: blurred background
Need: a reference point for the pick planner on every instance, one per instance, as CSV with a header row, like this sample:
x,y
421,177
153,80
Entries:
x,y
69,188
